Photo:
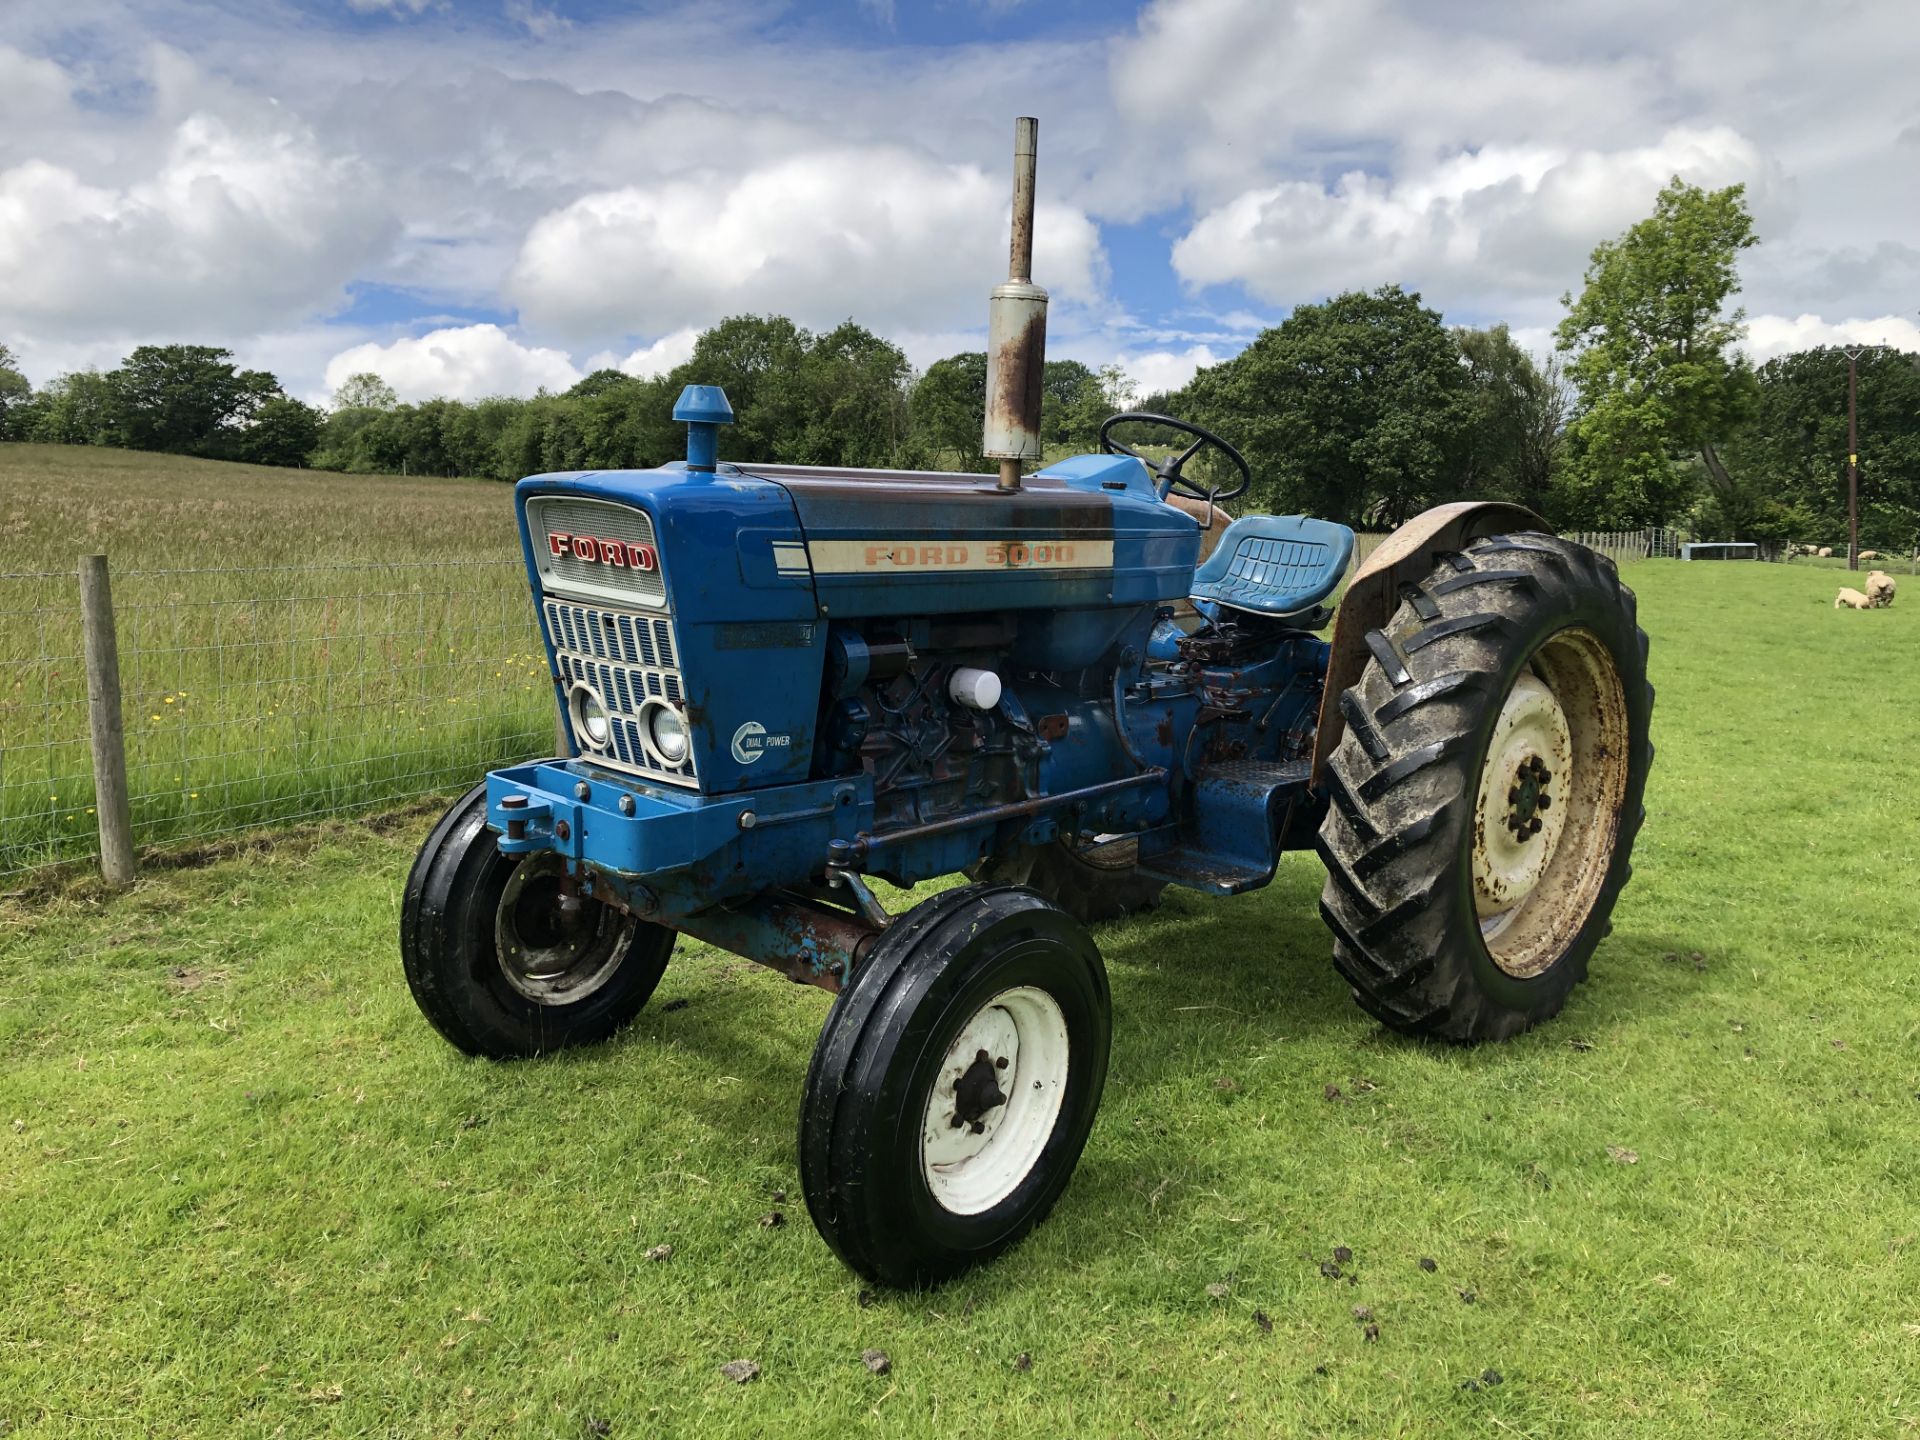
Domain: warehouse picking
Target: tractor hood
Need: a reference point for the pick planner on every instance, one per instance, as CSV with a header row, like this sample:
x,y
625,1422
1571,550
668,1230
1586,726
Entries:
x,y
710,591
669,588
1086,533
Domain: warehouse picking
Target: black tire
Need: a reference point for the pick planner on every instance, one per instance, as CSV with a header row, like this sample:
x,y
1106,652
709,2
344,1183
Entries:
x,y
1091,883
871,1084
1411,780
450,927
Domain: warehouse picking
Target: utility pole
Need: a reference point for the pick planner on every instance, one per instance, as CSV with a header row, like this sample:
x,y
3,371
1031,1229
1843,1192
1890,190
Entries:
x,y
1853,464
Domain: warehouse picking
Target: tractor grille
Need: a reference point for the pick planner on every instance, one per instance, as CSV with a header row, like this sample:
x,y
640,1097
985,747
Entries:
x,y
628,659
601,521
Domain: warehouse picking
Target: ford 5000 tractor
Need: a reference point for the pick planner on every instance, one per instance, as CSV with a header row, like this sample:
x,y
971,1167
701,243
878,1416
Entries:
x,y
782,684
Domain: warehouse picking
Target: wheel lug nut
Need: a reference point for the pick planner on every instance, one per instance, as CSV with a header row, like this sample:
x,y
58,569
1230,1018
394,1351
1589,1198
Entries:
x,y
1545,801
979,1127
1513,796
1000,1063
1533,826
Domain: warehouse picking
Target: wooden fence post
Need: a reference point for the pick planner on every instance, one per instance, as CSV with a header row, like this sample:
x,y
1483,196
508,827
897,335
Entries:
x,y
104,725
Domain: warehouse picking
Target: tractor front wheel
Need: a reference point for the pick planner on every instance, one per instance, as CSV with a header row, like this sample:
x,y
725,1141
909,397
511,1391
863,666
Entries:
x,y
504,958
1487,790
954,1085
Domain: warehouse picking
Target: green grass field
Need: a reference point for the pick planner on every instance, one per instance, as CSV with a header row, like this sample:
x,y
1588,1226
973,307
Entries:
x,y
291,643
247,1191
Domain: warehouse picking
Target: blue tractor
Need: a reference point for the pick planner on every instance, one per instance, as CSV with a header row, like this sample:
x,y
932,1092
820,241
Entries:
x,y
781,684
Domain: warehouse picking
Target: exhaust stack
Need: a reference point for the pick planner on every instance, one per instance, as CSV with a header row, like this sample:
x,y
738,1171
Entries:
x,y
1016,330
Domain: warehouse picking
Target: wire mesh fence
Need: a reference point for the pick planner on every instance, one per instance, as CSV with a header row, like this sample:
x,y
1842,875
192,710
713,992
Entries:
x,y
46,782
1625,545
266,696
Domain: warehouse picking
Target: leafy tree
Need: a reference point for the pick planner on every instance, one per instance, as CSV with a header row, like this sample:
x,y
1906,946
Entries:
x,y
188,399
1063,399
1354,409
1651,345
284,432
1789,459
757,360
75,409
947,406
1097,394
364,390
855,399
1517,409
16,397
949,403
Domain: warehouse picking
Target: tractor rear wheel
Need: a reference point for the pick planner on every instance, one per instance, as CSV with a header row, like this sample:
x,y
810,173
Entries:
x,y
1092,882
503,960
1487,790
954,1085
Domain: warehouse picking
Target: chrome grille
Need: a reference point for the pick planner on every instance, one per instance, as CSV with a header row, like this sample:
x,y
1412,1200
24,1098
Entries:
x,y
628,659
603,520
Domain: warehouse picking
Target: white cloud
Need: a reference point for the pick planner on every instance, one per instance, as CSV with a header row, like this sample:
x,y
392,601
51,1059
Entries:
x,y
1158,370
237,227
540,21
879,233
662,355
1490,222
1311,86
1771,335
181,175
468,362
30,88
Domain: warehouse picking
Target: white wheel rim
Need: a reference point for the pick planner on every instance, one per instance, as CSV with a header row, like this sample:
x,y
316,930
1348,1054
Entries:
x,y
1548,809
1528,762
975,1150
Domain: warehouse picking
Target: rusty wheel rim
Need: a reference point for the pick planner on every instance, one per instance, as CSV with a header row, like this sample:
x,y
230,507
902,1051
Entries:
x,y
549,954
1548,808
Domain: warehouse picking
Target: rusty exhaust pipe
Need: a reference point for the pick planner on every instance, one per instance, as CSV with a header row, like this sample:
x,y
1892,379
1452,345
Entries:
x,y
1017,330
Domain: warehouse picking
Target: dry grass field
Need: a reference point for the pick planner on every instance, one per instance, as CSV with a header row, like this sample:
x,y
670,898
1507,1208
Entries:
x,y
292,643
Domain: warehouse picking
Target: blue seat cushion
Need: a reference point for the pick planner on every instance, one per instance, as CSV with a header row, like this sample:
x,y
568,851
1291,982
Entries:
x,y
1275,564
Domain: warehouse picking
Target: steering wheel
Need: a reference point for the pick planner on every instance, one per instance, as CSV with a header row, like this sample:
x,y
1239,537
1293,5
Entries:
x,y
1168,471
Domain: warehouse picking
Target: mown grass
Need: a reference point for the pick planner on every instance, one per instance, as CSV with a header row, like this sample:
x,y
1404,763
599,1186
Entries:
x,y
247,1191
291,643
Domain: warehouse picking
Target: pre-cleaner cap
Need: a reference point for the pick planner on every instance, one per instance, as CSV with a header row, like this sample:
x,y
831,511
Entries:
x,y
975,689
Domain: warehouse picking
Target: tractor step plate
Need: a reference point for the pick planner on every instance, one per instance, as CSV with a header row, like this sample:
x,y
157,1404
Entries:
x,y
1231,843
1199,870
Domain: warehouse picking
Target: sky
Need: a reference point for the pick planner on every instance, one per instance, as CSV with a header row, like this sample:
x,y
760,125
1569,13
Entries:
x,y
474,197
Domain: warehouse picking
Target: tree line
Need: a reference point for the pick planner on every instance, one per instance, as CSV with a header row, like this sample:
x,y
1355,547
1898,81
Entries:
x,y
1366,408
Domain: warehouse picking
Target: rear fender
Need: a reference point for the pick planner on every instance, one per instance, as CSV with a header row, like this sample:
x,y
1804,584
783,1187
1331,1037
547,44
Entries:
x,y
1405,557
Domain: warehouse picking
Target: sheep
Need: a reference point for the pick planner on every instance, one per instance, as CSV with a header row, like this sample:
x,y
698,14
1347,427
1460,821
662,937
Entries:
x,y
1825,552
1851,598
1880,588
1869,554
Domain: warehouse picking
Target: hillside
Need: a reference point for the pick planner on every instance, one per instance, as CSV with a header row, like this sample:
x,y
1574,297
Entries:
x,y
149,511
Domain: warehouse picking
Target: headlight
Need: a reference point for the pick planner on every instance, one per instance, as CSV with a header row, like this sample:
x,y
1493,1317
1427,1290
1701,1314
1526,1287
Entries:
x,y
591,722
667,732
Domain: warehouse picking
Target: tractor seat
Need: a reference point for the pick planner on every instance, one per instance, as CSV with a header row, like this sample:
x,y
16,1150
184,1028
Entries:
x,y
1275,564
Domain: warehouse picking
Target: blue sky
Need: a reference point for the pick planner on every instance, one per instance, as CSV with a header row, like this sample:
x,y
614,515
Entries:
x,y
488,196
